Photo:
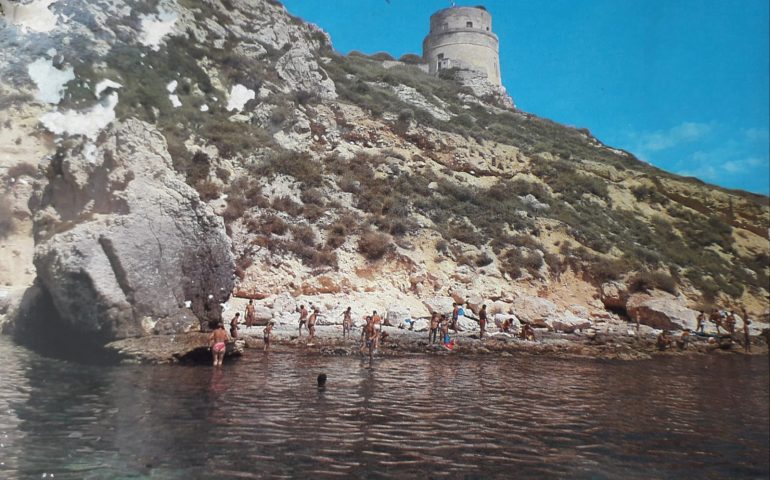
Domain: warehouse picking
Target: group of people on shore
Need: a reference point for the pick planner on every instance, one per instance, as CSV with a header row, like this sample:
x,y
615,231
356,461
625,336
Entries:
x,y
721,319
372,333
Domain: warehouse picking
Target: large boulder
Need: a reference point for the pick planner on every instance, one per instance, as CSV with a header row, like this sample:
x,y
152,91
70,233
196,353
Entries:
x,y
534,309
440,305
569,322
124,246
614,294
661,310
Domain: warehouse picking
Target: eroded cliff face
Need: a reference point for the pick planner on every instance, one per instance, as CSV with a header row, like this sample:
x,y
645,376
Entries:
x,y
337,180
124,246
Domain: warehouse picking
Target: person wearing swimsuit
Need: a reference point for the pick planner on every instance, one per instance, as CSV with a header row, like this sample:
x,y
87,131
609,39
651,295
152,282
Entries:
x,y
218,344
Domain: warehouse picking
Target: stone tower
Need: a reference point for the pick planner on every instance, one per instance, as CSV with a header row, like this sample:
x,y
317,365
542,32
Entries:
x,y
462,37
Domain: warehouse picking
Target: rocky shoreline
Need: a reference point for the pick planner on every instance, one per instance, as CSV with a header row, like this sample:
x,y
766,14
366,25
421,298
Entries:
x,y
607,345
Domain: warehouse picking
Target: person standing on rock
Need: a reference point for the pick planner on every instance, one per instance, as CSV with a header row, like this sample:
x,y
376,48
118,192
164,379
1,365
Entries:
x,y
701,320
266,335
731,323
250,317
347,323
234,325
311,323
455,316
368,320
218,344
433,332
444,330
482,321
746,338
302,318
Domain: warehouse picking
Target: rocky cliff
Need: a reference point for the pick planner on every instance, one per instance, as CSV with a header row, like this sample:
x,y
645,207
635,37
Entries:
x,y
332,179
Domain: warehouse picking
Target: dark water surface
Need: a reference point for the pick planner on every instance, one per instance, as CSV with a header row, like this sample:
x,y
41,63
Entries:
x,y
413,417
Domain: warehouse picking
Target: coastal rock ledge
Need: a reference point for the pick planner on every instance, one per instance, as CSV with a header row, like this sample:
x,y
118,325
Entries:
x,y
124,246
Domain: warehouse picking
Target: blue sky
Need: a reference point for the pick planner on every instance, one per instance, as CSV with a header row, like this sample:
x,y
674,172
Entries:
x,y
683,84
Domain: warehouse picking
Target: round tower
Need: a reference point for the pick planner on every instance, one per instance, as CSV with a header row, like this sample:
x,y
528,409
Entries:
x,y
462,37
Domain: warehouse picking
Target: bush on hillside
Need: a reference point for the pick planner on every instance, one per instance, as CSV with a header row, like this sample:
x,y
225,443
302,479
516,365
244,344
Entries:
x,y
6,217
647,281
374,245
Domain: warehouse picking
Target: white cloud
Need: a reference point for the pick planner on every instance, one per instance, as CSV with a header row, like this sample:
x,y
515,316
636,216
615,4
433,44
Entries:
x,y
685,132
757,134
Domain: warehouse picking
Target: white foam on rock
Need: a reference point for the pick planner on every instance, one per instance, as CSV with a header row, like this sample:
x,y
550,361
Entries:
x,y
85,122
104,85
50,81
204,108
34,16
156,27
238,97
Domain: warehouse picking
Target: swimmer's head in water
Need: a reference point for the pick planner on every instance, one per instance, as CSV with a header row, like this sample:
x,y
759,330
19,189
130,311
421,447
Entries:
x,y
321,379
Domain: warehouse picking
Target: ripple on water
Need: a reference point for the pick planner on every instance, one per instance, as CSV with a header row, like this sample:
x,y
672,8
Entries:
x,y
417,417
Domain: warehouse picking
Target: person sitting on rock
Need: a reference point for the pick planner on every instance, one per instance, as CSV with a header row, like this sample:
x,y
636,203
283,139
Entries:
x,y
664,341
234,325
266,335
684,340
218,344
250,315
302,318
527,333
311,323
506,326
347,323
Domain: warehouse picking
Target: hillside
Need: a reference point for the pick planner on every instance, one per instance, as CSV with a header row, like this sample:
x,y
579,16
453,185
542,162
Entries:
x,y
353,179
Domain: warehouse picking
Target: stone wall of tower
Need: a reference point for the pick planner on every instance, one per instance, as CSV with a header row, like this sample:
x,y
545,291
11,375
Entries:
x,y
462,37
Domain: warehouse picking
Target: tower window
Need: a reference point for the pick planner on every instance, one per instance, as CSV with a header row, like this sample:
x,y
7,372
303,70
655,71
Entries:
x,y
468,24
440,56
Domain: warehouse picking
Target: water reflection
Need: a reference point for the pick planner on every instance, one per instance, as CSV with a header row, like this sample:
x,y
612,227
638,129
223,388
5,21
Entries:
x,y
439,416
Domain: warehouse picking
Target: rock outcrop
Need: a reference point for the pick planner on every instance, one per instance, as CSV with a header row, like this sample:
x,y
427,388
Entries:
x,y
661,310
614,295
124,247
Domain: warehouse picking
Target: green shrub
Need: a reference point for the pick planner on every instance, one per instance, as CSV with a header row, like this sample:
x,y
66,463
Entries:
x,y
646,281
7,225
